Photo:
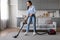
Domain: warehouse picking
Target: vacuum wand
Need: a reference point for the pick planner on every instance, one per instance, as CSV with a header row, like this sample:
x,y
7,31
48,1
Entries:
x,y
18,32
24,22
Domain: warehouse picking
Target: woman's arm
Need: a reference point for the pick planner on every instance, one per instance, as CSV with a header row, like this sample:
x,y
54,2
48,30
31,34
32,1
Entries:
x,y
32,11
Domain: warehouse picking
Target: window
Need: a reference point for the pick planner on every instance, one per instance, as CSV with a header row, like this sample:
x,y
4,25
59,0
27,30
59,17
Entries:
x,y
4,9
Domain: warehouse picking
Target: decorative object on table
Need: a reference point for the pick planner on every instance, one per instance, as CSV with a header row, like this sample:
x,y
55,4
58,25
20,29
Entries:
x,y
46,14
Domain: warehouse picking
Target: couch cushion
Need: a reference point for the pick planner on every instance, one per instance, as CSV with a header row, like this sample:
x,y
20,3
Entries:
x,y
43,20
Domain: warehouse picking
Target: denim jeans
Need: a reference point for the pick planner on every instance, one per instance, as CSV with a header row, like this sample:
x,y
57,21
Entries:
x,y
30,20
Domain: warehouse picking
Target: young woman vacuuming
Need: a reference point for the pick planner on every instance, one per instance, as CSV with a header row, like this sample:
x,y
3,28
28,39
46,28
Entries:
x,y
31,17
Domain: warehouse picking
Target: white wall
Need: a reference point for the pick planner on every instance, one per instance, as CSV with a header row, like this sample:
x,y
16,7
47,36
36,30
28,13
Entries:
x,y
0,13
13,8
14,12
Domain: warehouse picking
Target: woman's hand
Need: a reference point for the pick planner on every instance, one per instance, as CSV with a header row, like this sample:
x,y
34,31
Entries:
x,y
25,17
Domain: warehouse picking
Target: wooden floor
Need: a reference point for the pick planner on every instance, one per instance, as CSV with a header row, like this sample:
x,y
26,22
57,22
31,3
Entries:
x,y
10,30
7,31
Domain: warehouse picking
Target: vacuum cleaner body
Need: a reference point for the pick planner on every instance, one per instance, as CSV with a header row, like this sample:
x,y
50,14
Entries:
x,y
51,32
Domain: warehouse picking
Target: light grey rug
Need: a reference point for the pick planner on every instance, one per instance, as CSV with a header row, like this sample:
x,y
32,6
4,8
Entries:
x,y
30,37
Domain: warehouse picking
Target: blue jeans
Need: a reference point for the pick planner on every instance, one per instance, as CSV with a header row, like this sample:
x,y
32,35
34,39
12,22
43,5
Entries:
x,y
30,20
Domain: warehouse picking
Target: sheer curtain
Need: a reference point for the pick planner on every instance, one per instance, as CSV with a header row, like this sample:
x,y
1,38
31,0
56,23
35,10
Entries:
x,y
4,13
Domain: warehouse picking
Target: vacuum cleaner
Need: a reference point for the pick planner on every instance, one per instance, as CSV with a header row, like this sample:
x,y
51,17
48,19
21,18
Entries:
x,y
49,32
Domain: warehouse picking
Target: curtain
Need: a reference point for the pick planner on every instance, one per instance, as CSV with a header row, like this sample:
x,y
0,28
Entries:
x,y
4,13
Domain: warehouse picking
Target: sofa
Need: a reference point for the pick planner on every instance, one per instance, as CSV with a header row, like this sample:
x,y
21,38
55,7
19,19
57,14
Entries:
x,y
43,23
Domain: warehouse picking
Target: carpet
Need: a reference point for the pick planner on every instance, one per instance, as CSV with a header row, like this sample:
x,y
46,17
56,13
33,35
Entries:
x,y
30,36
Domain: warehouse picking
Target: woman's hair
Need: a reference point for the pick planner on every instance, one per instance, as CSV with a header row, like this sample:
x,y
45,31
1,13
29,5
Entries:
x,y
30,4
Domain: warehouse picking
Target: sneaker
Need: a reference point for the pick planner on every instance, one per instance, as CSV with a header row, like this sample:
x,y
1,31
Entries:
x,y
25,33
34,33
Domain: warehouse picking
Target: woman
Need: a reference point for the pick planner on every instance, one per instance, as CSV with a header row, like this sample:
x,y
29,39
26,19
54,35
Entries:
x,y
31,17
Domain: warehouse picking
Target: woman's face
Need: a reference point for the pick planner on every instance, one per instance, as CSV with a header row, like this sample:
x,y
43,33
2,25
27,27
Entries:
x,y
27,3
